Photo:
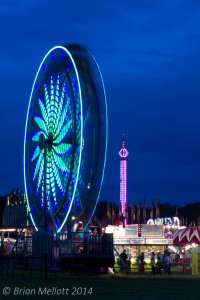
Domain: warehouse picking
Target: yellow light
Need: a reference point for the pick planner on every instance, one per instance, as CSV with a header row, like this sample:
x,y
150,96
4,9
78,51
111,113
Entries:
x,y
7,230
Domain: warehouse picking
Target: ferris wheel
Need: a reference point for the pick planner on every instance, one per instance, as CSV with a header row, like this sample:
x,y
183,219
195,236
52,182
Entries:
x,y
65,140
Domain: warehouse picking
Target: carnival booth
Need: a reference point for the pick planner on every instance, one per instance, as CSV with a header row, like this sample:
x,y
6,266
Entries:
x,y
189,240
155,236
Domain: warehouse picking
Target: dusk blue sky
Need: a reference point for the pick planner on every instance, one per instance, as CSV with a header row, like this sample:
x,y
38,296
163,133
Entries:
x,y
149,56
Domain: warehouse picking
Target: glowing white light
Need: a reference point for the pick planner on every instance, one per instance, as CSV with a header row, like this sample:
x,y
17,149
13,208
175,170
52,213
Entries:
x,y
172,248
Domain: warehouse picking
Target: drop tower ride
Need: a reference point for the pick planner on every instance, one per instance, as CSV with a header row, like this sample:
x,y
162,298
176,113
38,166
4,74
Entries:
x,y
123,153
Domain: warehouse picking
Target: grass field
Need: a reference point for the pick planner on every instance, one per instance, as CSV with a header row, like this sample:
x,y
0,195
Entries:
x,y
176,286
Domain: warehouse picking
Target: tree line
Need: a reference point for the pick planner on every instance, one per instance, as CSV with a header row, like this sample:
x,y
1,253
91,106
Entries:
x,y
109,212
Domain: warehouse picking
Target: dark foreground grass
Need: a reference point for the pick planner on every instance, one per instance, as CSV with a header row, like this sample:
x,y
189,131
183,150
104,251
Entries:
x,y
118,286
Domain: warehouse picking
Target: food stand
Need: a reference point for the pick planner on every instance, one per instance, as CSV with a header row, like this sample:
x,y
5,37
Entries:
x,y
139,238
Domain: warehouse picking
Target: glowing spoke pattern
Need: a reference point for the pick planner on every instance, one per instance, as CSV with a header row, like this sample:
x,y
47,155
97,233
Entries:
x,y
46,126
63,149
65,138
36,136
39,165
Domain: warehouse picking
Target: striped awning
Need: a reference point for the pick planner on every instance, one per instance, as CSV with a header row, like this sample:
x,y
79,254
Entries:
x,y
187,236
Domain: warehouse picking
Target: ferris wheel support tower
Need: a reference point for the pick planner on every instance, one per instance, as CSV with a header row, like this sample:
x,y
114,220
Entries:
x,y
123,153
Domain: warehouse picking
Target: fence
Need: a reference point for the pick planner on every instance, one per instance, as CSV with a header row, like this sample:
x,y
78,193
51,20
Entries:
x,y
36,255
64,243
23,268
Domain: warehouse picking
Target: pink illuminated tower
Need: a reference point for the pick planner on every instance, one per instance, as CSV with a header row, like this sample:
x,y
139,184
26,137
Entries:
x,y
123,153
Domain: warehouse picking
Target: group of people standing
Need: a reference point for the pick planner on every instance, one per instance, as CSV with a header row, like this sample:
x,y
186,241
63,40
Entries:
x,y
163,263
157,266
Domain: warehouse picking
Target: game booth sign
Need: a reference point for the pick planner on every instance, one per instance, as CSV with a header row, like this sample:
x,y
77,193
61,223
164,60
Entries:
x,y
189,240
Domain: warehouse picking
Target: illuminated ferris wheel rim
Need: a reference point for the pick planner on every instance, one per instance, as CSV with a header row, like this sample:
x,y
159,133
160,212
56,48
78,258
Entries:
x,y
106,133
81,131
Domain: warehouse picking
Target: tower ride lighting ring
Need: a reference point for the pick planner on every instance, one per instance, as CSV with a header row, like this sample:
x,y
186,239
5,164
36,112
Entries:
x,y
65,140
